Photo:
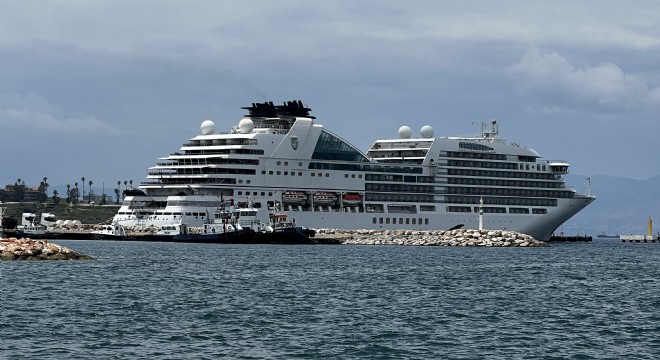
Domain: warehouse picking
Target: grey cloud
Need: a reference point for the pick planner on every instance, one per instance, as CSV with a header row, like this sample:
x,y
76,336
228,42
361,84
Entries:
x,y
550,76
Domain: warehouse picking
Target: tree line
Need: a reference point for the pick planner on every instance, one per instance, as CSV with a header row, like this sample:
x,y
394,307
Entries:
x,y
17,192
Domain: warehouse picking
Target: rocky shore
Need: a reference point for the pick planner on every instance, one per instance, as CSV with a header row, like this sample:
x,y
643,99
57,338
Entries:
x,y
28,249
459,237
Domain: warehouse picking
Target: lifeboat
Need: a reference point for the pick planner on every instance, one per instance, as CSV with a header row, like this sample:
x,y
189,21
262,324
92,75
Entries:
x,y
294,197
325,198
351,199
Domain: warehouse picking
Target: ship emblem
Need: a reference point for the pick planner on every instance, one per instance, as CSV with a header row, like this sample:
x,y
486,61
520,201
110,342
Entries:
x,y
294,143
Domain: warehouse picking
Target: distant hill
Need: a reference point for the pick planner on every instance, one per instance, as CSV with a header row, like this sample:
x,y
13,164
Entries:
x,y
622,206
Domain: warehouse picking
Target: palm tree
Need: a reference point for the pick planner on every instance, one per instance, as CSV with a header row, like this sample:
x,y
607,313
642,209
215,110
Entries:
x,y
19,190
131,183
83,182
89,197
43,189
68,193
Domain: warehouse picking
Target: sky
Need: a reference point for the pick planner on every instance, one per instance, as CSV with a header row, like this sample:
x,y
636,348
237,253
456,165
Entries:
x,y
102,89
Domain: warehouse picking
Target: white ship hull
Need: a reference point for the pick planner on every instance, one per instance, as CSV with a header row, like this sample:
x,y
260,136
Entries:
x,y
539,226
279,157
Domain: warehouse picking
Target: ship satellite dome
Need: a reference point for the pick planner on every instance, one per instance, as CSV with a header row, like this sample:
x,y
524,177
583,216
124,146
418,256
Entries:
x,y
245,126
426,132
208,127
405,132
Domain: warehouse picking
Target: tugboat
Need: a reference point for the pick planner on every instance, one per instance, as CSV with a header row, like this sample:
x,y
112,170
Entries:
x,y
226,227
30,228
282,231
113,231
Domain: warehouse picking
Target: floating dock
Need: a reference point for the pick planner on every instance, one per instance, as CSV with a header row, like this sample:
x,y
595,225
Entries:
x,y
640,238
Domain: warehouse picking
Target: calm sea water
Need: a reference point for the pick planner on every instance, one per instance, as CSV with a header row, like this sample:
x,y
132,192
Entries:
x,y
597,300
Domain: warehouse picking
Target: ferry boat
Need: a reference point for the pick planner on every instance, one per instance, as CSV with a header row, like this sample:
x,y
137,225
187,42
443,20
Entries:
x,y
280,156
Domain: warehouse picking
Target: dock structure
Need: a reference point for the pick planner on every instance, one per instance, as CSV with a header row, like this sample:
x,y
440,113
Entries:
x,y
648,238
640,238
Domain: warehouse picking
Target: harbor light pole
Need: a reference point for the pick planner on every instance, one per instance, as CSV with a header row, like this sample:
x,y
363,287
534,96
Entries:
x,y
481,213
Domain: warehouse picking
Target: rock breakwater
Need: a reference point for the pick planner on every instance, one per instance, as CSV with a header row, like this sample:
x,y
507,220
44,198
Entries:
x,y
28,249
459,237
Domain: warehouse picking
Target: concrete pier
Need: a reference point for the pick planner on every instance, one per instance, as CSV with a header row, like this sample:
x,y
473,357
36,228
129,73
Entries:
x,y
639,238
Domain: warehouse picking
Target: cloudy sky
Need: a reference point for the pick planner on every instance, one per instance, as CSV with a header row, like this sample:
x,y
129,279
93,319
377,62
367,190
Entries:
x,y
101,89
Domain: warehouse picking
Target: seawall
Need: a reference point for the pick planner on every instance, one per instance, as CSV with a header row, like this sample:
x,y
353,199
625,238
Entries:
x,y
459,237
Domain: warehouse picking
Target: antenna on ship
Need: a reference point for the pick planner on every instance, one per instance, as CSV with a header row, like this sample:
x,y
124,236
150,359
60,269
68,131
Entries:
x,y
587,182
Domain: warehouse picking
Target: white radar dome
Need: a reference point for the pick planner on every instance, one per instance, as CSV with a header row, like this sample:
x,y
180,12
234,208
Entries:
x,y
426,132
245,126
208,127
405,132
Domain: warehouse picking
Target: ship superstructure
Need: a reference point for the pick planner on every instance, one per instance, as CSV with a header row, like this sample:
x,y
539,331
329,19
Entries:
x,y
279,157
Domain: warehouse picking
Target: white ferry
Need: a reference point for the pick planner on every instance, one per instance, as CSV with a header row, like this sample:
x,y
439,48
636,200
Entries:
x,y
279,157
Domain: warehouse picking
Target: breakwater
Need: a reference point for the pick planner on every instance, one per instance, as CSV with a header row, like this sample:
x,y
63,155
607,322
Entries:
x,y
458,237
28,249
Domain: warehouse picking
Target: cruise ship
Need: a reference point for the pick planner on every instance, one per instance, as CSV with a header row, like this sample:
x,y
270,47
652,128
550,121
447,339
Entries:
x,y
278,157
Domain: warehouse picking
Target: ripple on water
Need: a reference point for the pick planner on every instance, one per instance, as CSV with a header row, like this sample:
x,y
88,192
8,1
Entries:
x,y
173,301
